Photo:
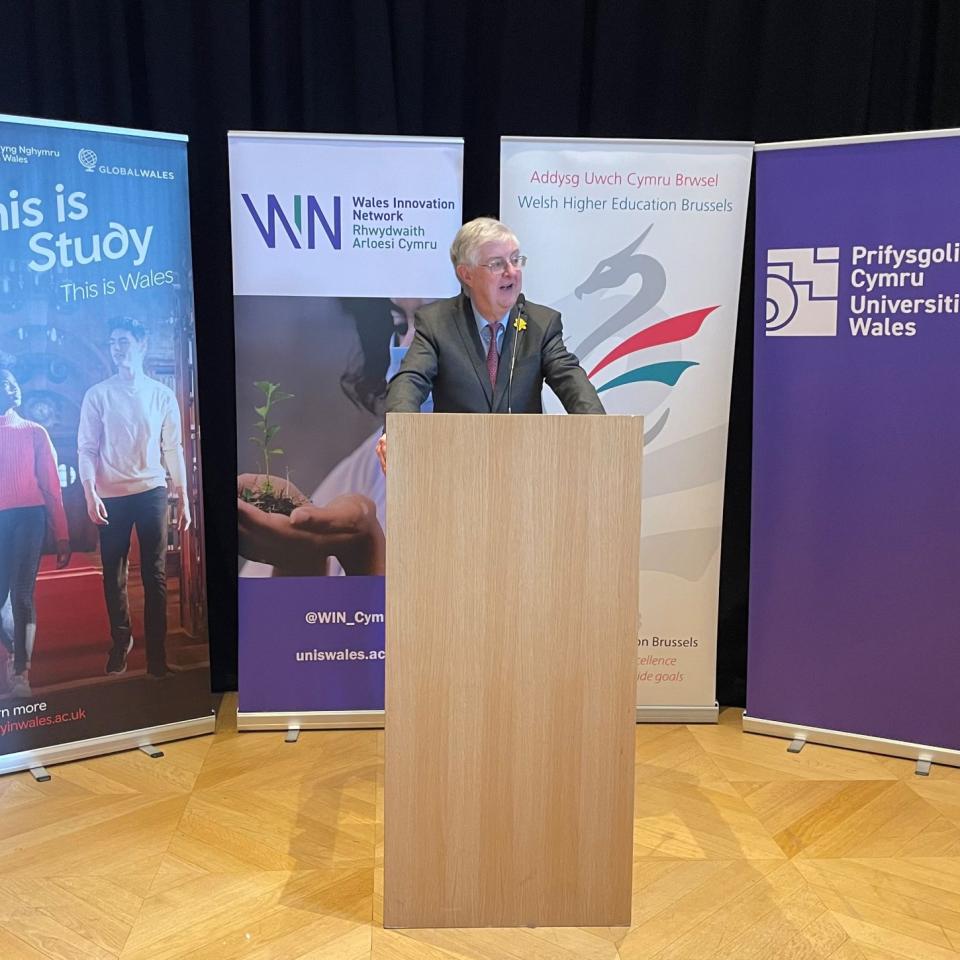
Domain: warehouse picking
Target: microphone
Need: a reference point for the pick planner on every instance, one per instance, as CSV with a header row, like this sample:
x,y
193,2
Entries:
x,y
521,300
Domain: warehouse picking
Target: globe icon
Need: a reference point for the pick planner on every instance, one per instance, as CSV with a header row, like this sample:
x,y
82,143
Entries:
x,y
88,159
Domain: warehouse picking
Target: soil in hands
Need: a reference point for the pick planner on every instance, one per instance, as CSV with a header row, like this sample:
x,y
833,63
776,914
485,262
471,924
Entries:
x,y
270,500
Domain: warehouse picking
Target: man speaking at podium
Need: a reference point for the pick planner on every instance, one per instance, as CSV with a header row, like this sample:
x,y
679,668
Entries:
x,y
487,350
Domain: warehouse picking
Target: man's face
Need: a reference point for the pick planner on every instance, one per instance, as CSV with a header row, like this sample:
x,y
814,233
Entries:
x,y
402,309
493,292
9,391
125,349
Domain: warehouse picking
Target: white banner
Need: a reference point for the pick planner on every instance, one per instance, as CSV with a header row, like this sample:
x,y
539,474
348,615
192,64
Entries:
x,y
337,242
343,216
639,245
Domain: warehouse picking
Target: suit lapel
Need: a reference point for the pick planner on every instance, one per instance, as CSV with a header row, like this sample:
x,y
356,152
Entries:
x,y
467,326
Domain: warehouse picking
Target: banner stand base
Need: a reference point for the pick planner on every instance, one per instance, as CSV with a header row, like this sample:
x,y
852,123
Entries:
x,y
97,746
852,741
691,714
311,720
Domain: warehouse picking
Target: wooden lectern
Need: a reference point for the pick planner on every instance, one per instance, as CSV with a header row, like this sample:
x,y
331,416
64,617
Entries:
x,y
513,549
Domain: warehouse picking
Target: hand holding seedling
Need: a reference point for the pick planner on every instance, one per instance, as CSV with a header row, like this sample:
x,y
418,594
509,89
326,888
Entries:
x,y
298,545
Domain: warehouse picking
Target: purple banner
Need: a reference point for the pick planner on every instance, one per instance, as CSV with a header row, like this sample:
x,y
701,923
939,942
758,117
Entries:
x,y
311,639
855,553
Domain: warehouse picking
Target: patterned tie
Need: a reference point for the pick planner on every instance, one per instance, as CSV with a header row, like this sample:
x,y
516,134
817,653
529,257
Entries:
x,y
493,358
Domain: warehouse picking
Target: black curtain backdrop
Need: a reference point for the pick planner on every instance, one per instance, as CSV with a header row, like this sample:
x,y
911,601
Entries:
x,y
763,70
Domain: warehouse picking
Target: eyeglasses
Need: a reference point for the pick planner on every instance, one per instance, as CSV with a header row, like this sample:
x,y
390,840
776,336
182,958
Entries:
x,y
499,264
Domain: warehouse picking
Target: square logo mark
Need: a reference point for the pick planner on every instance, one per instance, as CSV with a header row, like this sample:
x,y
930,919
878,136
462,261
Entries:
x,y
802,292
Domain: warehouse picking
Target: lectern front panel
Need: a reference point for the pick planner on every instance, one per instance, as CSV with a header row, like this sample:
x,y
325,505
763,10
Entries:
x,y
512,584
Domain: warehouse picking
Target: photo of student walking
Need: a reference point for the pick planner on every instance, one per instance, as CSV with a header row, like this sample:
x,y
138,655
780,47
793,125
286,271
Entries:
x,y
106,559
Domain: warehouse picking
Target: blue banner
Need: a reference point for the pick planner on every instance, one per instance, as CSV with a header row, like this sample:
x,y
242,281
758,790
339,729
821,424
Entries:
x,y
102,593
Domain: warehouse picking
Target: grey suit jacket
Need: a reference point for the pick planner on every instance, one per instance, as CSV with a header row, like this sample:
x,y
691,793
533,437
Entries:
x,y
447,358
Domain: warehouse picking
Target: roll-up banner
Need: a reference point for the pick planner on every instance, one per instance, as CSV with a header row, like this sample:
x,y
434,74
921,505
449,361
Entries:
x,y
337,241
639,245
856,451
103,628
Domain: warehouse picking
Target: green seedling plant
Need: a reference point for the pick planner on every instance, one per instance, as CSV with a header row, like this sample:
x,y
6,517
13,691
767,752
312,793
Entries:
x,y
266,496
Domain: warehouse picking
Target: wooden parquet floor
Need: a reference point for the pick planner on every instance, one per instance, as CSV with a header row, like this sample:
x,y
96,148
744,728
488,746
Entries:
x,y
243,846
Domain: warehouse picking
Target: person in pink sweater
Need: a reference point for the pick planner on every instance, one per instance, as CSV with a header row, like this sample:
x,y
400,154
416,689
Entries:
x,y
30,501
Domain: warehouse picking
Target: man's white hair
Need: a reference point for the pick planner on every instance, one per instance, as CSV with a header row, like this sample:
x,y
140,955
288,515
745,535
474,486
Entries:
x,y
473,235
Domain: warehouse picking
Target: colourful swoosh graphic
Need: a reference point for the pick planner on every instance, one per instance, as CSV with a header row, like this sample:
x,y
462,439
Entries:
x,y
668,373
681,327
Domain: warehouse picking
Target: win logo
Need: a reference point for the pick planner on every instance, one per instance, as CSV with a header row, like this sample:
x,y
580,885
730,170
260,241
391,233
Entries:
x,y
294,226
802,292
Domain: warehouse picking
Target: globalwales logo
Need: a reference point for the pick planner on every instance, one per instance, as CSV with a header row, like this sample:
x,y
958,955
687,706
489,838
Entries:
x,y
300,223
802,292
664,372
88,159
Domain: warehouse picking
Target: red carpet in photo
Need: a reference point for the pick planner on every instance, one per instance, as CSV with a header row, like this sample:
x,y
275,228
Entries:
x,y
73,632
